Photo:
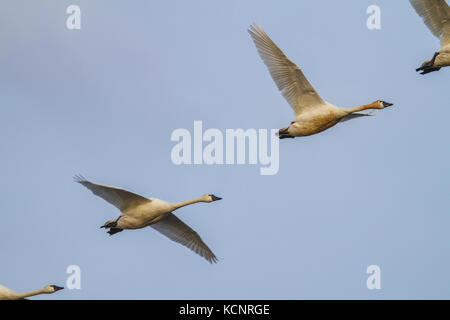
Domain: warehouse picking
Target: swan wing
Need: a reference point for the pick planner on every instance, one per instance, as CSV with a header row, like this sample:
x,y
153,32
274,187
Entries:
x,y
436,15
358,115
176,230
288,77
7,293
120,198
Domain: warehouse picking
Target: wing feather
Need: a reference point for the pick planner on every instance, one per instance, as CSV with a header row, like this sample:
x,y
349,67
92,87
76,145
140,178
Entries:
x,y
120,198
436,15
288,77
176,230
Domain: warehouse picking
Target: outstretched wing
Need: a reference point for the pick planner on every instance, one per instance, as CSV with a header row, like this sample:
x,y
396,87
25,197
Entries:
x,y
436,15
288,77
120,198
358,115
178,231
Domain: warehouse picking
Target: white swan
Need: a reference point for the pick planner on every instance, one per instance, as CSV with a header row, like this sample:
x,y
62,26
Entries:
x,y
436,15
8,294
139,212
313,114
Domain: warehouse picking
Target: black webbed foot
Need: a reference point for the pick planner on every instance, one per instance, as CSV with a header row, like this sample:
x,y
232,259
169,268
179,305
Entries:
x,y
114,231
429,66
112,224
428,70
285,136
109,225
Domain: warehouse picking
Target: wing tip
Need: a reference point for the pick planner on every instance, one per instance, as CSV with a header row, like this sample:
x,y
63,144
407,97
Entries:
x,y
213,259
79,178
255,28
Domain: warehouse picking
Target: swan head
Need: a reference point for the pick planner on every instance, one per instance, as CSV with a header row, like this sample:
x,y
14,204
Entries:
x,y
209,197
52,288
383,104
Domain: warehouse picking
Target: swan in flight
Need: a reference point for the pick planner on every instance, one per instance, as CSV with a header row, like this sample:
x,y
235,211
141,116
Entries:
x,y
8,294
436,15
139,212
313,114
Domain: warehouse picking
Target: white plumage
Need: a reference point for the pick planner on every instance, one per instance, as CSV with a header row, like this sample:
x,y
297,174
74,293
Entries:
x,y
313,114
139,212
436,16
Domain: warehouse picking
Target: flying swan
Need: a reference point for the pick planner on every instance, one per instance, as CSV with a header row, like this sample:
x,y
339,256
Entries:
x,y
313,114
8,294
139,212
436,15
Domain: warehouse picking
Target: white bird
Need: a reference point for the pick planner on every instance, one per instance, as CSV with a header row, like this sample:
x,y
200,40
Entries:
x,y
139,212
8,294
436,15
313,114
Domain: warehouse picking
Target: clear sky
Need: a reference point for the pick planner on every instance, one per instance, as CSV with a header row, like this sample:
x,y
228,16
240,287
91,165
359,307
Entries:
x,y
103,101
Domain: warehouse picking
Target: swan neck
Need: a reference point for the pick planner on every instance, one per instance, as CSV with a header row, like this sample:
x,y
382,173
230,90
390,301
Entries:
x,y
360,108
178,205
30,293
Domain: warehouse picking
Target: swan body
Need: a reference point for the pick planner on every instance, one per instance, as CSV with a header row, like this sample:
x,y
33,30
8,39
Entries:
x,y
313,114
436,16
139,212
8,294
144,214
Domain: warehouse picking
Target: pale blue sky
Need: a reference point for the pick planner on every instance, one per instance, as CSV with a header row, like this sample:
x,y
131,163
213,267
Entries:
x,y
104,100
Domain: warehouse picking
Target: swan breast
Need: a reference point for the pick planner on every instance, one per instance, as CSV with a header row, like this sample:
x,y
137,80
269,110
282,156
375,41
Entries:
x,y
315,121
145,214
